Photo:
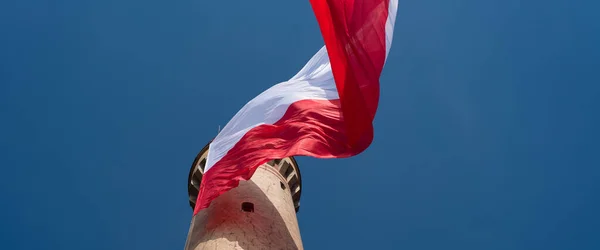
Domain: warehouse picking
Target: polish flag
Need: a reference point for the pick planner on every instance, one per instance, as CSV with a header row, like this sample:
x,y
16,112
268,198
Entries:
x,y
324,111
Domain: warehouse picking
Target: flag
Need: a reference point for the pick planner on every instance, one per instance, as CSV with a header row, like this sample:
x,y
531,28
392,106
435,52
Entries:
x,y
325,111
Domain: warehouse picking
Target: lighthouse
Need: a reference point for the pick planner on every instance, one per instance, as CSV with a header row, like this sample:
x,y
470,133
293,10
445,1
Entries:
x,y
258,214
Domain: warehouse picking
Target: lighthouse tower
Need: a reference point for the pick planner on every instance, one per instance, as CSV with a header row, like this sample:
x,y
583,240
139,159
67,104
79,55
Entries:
x,y
258,214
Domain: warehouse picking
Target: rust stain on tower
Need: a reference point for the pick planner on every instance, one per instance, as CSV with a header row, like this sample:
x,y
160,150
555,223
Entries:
x,y
258,214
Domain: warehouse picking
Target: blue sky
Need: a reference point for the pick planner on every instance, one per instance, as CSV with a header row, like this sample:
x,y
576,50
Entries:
x,y
486,136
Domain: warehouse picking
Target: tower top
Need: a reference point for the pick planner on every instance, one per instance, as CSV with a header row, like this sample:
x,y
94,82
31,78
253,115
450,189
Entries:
x,y
287,167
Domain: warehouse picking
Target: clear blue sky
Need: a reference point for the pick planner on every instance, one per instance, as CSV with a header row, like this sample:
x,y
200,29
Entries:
x,y
486,136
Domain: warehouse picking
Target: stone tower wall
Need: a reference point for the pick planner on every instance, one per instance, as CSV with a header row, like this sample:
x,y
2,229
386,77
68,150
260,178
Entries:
x,y
258,214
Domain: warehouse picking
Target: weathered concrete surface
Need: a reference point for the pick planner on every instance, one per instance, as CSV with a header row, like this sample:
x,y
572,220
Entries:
x,y
272,225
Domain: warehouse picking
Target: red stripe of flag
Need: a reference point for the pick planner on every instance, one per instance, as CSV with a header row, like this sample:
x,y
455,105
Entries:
x,y
354,34
309,127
